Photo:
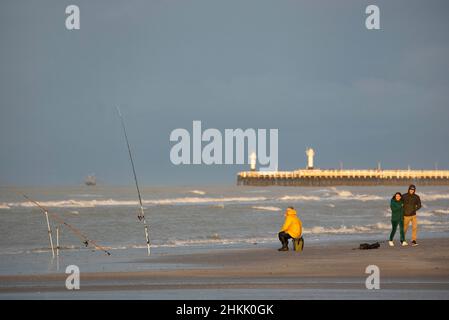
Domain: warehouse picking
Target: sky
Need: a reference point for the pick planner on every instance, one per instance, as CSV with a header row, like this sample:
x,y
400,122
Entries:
x,y
310,69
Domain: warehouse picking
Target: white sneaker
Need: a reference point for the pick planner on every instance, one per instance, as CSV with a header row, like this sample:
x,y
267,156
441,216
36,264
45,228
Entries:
x,y
404,243
391,243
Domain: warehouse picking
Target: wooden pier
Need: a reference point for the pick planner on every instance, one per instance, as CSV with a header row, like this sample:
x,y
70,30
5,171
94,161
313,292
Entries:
x,y
329,177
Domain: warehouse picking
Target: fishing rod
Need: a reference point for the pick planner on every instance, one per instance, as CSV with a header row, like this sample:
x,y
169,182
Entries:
x,y
86,241
140,216
50,236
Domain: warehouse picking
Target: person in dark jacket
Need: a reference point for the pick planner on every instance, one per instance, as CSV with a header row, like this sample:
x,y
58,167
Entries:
x,y
397,218
412,203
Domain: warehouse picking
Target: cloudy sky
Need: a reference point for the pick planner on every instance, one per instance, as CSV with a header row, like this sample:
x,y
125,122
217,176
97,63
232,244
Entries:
x,y
308,68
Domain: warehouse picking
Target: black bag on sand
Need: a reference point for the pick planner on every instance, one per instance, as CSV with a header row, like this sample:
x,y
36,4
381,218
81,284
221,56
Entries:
x,y
367,246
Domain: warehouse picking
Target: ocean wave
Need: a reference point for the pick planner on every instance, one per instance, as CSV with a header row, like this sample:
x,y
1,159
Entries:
x,y
426,222
125,203
4,206
216,239
268,208
256,191
380,226
348,195
213,239
387,213
199,242
335,195
200,192
325,191
433,196
425,213
336,230
300,198
437,228
85,195
441,211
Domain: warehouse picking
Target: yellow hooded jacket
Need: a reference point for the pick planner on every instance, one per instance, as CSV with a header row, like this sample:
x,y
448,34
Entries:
x,y
292,224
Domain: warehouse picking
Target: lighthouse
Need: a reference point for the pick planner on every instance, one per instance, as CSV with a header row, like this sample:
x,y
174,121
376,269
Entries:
x,y
310,154
253,159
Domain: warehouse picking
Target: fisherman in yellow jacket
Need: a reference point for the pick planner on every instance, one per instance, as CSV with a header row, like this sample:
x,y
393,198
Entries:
x,y
292,228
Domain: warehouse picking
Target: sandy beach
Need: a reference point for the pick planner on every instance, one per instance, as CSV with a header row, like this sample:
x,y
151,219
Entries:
x,y
321,271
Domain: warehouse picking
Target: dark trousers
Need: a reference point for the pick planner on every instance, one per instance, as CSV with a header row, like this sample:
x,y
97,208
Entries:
x,y
394,226
283,237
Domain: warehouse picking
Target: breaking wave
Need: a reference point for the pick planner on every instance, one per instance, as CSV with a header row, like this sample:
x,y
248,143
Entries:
x,y
4,206
432,197
348,195
332,195
441,211
266,208
347,230
300,198
202,193
425,213
372,228
126,203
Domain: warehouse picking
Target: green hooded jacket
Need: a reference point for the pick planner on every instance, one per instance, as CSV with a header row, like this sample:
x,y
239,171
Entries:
x,y
397,210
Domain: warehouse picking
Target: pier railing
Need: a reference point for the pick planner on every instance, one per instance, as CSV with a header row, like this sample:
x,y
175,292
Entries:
x,y
350,177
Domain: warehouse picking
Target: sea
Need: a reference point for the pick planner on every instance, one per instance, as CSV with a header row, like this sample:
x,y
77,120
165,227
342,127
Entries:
x,y
189,219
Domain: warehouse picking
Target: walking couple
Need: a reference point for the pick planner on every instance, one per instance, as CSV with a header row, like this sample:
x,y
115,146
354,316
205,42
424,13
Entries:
x,y
403,212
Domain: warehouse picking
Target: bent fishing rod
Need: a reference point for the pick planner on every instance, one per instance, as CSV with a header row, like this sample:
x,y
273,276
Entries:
x,y
141,215
86,241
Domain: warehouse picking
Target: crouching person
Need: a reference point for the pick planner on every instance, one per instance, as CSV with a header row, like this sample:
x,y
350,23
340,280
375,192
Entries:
x,y
292,228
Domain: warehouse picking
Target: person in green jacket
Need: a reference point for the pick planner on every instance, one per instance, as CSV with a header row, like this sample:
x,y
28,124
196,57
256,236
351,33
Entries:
x,y
397,218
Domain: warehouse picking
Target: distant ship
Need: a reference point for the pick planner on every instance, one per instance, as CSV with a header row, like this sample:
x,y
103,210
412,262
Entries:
x,y
90,180
311,176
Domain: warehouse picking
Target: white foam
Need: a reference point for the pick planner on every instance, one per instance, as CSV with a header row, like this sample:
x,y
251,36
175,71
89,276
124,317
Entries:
x,y
125,203
268,208
441,211
257,191
429,222
347,230
4,206
336,230
195,200
425,213
85,195
344,194
348,195
300,198
198,192
196,242
380,226
433,197
214,239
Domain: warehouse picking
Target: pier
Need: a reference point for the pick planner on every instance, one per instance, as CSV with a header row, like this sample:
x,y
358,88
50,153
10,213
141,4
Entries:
x,y
318,177
335,177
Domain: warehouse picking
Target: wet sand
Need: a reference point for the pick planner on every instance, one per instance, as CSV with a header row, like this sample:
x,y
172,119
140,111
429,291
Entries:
x,y
320,271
